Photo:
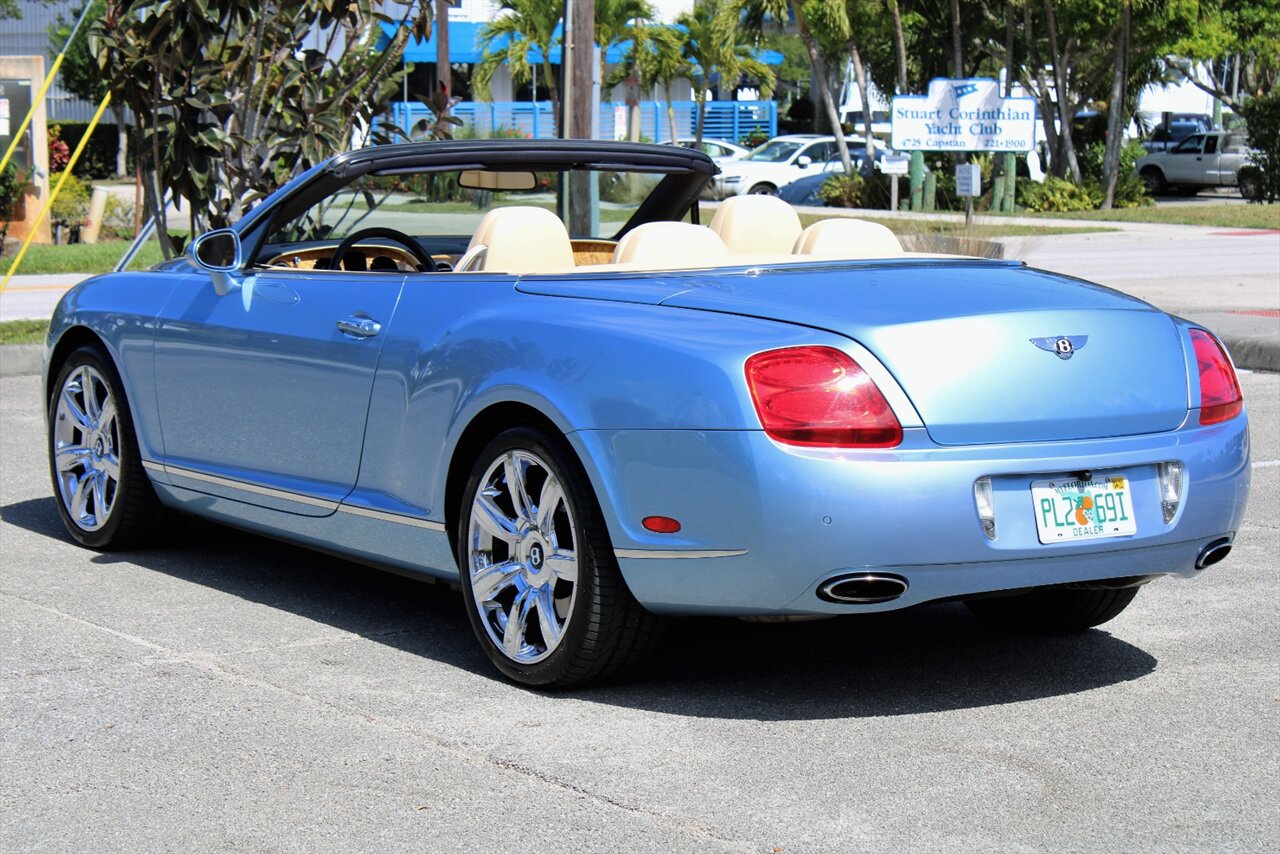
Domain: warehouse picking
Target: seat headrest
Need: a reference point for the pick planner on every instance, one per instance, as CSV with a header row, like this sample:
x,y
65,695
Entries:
x,y
521,240
848,238
670,245
756,224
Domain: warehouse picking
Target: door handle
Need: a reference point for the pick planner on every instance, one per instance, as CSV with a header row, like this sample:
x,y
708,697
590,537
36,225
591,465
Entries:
x,y
359,327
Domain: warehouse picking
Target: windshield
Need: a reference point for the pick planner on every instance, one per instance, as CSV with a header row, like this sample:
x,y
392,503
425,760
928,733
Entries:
x,y
774,152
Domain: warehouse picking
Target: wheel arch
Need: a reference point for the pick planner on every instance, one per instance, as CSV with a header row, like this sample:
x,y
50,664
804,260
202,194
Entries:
x,y
480,431
72,339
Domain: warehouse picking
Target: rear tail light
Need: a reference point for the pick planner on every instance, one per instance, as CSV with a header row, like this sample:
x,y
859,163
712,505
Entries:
x,y
819,397
1220,397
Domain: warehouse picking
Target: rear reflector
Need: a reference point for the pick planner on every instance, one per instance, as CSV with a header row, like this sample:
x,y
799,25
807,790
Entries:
x,y
661,524
820,397
1220,397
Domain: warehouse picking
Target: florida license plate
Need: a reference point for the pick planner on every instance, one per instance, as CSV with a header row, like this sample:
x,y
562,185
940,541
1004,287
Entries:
x,y
1069,510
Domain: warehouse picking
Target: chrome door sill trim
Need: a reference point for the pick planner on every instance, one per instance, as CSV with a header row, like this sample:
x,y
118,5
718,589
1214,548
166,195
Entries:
x,y
398,518
250,487
675,554
153,466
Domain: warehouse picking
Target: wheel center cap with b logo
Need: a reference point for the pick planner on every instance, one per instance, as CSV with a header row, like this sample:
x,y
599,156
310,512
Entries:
x,y
536,555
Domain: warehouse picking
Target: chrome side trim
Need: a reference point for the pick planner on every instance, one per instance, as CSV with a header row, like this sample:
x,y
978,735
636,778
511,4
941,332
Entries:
x,y
150,466
251,487
676,554
399,519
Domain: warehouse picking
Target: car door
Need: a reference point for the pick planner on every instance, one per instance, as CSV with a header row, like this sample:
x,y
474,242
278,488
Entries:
x,y
1231,156
1183,164
1210,162
264,391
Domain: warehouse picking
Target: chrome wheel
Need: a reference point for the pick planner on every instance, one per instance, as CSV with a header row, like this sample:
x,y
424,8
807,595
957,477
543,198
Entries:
x,y
86,447
522,551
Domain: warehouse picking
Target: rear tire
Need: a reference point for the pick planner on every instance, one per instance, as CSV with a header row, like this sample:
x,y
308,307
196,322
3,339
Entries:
x,y
1052,610
104,496
538,574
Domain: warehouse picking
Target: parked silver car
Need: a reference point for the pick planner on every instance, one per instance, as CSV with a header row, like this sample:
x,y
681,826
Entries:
x,y
1210,159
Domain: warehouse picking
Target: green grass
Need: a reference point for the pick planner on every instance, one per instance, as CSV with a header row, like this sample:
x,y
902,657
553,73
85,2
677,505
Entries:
x,y
1218,216
81,258
906,225
23,331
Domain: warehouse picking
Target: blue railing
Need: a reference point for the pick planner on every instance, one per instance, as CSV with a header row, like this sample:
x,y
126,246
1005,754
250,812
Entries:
x,y
731,120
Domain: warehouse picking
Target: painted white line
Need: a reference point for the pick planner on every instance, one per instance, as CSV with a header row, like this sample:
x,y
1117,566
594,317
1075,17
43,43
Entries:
x,y
1266,464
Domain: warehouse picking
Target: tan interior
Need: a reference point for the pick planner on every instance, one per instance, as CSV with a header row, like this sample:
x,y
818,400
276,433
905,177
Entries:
x,y
670,245
847,238
759,224
522,240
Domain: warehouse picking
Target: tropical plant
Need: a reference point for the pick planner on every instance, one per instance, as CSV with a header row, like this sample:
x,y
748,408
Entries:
x,y
713,46
521,26
12,185
80,74
617,22
657,58
233,102
1262,115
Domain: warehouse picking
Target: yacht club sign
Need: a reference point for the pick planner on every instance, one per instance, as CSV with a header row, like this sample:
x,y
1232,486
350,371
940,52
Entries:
x,y
963,115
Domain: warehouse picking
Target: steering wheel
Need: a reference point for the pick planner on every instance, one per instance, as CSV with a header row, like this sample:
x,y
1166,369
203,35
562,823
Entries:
x,y
425,262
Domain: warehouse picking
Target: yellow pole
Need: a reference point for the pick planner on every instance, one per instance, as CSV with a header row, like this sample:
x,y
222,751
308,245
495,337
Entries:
x,y
66,172
48,81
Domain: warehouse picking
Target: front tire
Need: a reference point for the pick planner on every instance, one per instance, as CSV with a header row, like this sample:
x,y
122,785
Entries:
x,y
541,584
103,495
763,190
1154,179
1052,610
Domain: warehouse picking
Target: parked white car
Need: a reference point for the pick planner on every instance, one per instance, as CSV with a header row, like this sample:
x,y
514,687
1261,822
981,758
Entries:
x,y
780,161
717,149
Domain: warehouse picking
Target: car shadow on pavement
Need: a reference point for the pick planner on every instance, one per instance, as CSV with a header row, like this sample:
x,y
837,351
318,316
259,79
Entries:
x,y
928,658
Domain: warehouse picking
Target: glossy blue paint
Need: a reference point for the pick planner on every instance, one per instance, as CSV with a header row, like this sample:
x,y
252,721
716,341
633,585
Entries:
x,y
272,419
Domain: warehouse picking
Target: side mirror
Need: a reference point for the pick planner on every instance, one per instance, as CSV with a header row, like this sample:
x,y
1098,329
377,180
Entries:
x,y
804,161
219,252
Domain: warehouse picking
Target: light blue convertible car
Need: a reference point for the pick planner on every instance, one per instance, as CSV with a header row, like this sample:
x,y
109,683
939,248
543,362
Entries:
x,y
530,369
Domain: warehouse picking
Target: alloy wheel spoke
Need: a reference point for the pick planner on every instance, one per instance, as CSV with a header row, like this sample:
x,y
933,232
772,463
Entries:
x,y
565,565
69,457
110,465
72,407
91,406
548,621
513,470
492,519
99,496
517,620
492,580
107,415
80,495
548,501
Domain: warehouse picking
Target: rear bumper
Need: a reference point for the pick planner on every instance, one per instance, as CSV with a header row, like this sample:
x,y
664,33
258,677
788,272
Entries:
x,y
764,526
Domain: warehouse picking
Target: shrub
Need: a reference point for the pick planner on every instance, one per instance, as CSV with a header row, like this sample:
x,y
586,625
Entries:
x,y
1253,183
71,207
1262,115
842,191
59,151
117,219
754,139
1056,195
1091,158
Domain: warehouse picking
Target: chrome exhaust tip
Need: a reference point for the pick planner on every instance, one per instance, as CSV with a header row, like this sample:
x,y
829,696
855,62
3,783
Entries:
x,y
862,588
1213,553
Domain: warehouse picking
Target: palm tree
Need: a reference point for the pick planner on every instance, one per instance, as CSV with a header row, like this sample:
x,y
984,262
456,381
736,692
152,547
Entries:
x,y
526,25
617,22
712,45
656,58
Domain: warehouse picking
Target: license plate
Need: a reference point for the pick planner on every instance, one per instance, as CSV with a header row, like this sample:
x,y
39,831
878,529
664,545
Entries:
x,y
1070,510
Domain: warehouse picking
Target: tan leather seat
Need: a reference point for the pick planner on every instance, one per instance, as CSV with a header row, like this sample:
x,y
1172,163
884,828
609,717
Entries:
x,y
670,246
518,240
848,238
756,224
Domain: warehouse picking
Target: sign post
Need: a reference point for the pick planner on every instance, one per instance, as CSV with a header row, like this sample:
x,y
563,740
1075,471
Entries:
x,y
968,184
895,165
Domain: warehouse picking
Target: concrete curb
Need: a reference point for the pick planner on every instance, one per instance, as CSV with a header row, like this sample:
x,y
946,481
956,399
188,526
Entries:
x,y
20,360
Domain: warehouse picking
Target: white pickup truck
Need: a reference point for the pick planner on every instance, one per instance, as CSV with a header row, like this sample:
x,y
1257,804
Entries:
x,y
1202,160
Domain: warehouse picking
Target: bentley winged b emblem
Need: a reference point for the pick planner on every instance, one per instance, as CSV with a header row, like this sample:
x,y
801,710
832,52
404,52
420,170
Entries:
x,y
1064,346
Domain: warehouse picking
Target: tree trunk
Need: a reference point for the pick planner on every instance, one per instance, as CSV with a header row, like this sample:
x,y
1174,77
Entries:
x,y
1116,116
700,98
1065,119
554,88
1041,91
957,51
860,78
122,140
671,113
900,46
820,80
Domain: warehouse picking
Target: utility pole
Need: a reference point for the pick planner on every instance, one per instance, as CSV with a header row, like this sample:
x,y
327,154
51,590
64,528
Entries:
x,y
444,73
579,105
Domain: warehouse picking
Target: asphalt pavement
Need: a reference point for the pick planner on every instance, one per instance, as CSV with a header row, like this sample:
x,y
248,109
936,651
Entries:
x,y
222,691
